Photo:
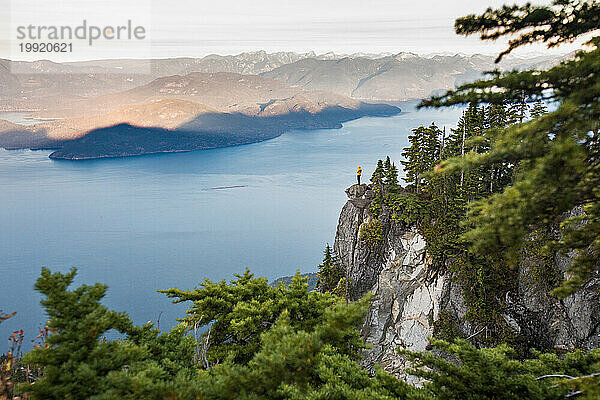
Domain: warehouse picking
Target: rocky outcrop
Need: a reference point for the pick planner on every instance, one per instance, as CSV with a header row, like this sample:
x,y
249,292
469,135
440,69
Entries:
x,y
362,265
409,297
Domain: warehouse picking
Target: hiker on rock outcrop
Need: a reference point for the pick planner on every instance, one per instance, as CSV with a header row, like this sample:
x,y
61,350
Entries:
x,y
358,174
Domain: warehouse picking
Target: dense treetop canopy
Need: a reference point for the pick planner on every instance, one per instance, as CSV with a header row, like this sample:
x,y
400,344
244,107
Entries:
x,y
558,154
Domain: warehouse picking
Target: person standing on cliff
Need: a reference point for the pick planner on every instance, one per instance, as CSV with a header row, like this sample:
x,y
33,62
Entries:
x,y
358,174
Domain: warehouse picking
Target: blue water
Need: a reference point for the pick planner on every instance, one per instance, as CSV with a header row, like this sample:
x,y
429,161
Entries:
x,y
153,222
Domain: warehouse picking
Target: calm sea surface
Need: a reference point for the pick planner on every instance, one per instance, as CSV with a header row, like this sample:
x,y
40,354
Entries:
x,y
154,222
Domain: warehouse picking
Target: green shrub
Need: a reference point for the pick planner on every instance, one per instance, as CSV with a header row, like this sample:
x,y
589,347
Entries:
x,y
372,232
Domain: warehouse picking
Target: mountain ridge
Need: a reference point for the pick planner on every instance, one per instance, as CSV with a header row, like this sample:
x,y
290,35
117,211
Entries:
x,y
403,76
40,84
183,113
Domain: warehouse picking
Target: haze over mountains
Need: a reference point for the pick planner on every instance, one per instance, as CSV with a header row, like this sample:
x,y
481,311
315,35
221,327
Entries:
x,y
35,82
362,76
216,100
399,77
182,113
223,91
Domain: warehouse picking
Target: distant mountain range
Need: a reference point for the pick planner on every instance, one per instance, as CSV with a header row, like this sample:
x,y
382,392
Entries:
x,y
39,85
182,113
223,91
399,77
109,108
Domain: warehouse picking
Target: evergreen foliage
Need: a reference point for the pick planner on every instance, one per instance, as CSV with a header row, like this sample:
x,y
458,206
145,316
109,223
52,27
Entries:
x,y
495,373
76,362
293,359
298,364
391,174
330,272
422,155
238,313
378,174
303,345
557,155
384,182
538,109
372,232
438,203
517,110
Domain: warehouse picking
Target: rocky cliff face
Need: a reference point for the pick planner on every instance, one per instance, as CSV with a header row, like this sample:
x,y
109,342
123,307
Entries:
x,y
410,297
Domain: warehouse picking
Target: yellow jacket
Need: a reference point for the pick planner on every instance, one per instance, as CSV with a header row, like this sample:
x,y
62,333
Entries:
x,y
359,172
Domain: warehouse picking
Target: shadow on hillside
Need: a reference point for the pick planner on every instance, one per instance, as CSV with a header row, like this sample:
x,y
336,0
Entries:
x,y
206,131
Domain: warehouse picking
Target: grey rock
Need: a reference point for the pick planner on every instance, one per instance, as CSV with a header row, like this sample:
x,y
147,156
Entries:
x,y
409,296
360,195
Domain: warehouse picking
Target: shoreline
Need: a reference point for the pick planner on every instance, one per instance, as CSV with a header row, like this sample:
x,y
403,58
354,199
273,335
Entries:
x,y
336,124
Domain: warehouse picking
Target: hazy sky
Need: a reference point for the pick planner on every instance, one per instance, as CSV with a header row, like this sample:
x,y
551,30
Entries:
x,y
199,27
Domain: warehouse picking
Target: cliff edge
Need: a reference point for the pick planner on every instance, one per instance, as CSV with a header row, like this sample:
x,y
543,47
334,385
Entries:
x,y
413,302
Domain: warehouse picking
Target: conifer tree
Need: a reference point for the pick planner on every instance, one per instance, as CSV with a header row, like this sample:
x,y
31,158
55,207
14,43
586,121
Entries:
x,y
387,165
538,109
330,273
495,116
391,177
412,163
75,362
240,312
378,174
317,362
308,347
471,122
422,155
495,373
378,188
557,153
517,110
